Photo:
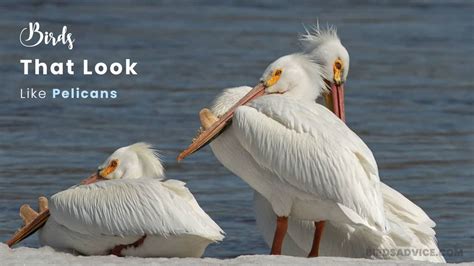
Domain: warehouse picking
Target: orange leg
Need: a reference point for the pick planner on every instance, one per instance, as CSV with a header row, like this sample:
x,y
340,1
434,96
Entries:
x,y
117,250
318,232
280,232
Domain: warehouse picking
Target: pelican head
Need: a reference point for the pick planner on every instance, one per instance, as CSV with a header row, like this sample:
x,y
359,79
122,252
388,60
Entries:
x,y
324,47
138,160
295,76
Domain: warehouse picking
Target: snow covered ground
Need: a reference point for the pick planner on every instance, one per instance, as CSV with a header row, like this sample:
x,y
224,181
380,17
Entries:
x,y
47,256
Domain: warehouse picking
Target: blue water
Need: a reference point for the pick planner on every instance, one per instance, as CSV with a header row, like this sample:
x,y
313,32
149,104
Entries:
x,y
409,96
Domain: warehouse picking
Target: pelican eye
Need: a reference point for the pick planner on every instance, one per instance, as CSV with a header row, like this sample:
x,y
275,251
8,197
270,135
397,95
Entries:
x,y
274,77
109,169
337,68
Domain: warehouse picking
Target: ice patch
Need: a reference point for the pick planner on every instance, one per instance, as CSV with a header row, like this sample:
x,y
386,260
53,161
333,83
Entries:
x,y
48,256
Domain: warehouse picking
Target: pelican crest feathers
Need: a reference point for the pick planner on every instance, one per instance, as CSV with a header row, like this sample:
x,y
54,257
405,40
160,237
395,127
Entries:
x,y
316,35
150,159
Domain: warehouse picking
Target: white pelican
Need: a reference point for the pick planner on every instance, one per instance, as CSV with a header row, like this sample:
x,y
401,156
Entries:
x,y
301,157
131,212
412,227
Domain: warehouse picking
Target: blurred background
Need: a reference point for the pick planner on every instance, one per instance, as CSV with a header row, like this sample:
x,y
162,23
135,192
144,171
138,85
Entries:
x,y
409,96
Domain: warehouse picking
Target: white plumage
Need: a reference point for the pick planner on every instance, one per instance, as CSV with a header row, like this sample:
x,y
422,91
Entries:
x,y
93,219
411,229
273,137
315,170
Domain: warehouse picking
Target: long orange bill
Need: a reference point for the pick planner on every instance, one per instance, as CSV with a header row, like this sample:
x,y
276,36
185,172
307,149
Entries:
x,y
29,229
337,95
209,134
92,179
42,218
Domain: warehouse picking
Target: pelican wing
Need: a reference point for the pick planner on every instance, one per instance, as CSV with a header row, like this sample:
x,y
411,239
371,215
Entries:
x,y
309,148
133,207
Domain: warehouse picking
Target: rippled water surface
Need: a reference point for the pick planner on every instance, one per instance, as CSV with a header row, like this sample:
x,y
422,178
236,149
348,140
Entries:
x,y
409,96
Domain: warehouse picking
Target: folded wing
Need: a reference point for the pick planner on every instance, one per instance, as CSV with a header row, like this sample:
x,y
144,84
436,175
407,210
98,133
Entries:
x,y
133,207
311,149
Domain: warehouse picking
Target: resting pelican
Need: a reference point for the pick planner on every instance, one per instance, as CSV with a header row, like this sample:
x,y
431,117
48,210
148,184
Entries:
x,y
411,226
298,155
132,211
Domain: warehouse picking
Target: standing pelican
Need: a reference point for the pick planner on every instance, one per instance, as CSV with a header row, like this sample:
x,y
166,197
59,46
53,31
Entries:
x,y
298,155
132,211
411,227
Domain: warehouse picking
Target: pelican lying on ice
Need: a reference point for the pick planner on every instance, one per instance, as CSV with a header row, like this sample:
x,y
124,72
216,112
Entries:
x,y
131,212
410,226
